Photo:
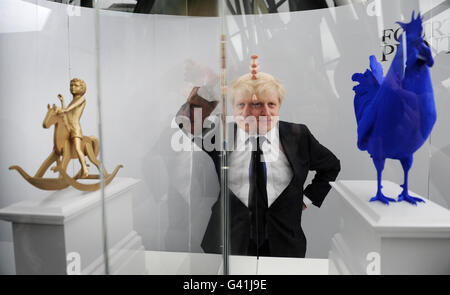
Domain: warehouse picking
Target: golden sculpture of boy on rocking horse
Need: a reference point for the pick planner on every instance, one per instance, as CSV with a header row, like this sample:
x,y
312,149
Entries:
x,y
69,143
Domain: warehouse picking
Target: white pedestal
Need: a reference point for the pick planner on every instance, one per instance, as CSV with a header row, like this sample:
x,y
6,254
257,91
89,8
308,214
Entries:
x,y
63,231
183,263
397,239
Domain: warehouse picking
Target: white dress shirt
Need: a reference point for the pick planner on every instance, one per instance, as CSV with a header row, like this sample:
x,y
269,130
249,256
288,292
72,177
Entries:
x,y
279,171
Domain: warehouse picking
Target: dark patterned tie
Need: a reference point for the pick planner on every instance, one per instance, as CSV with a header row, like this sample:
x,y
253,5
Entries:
x,y
257,193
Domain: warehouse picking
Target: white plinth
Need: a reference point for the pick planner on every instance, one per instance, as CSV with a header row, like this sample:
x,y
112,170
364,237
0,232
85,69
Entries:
x,y
183,263
51,233
397,239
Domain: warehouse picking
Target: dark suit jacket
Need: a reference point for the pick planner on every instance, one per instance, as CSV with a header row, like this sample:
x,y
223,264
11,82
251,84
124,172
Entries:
x,y
283,228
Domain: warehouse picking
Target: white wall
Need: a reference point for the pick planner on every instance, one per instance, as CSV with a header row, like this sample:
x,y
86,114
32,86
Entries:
x,y
142,77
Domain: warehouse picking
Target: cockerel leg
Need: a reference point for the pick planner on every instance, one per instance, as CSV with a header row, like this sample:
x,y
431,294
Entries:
x,y
379,165
404,196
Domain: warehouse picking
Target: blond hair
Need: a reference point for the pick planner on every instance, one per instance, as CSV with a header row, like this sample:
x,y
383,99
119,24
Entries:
x,y
257,86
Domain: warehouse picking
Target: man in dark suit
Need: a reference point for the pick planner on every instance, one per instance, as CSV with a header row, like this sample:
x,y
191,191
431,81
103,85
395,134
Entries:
x,y
268,163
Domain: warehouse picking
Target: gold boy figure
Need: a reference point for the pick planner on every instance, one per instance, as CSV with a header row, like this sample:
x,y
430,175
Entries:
x,y
69,143
74,111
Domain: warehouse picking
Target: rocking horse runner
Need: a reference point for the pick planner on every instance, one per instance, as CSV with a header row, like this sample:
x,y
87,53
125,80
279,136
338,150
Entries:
x,y
69,144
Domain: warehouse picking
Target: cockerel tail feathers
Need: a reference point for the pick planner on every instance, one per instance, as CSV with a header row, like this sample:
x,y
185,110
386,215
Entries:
x,y
365,91
369,82
376,68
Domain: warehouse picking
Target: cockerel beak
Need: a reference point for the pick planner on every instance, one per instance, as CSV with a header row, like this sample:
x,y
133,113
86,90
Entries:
x,y
424,55
421,57
428,61
425,59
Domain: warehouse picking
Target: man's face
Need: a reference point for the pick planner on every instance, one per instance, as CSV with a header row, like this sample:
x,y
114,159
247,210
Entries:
x,y
253,111
76,88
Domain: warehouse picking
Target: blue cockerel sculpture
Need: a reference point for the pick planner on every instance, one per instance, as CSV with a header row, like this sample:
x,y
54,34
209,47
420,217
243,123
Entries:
x,y
395,114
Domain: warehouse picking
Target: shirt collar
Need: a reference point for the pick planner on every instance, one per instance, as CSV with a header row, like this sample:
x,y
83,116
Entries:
x,y
273,136
242,137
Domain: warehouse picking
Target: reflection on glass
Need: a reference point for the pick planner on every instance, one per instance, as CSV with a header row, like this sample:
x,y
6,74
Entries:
x,y
144,62
22,16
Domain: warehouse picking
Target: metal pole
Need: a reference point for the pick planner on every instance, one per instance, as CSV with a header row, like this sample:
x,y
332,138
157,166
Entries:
x,y
223,151
101,172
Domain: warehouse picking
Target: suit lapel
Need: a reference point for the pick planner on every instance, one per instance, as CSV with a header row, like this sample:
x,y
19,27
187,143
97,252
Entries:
x,y
291,141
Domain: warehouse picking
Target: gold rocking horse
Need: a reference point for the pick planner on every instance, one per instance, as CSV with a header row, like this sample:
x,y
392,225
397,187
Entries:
x,y
63,151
